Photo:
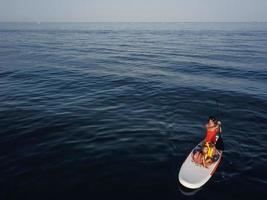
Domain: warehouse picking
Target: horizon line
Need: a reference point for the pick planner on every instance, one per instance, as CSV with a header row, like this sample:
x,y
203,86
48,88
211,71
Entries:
x,y
30,21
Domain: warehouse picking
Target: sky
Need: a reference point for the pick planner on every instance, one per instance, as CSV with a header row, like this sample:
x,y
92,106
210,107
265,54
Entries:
x,y
133,10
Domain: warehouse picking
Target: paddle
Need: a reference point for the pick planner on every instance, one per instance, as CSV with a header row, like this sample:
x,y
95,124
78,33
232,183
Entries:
x,y
219,141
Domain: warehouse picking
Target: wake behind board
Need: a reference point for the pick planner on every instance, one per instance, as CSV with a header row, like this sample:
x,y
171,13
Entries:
x,y
193,175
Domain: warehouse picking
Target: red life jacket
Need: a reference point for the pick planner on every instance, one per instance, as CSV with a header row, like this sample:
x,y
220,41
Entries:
x,y
211,135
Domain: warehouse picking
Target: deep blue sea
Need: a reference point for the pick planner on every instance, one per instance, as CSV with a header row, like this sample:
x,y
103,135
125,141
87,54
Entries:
x,y
111,110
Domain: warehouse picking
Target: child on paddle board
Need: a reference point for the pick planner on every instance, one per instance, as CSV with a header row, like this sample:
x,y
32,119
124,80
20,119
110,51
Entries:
x,y
201,157
206,157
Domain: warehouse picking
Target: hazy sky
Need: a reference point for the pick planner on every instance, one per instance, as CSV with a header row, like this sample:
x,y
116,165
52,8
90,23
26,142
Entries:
x,y
133,10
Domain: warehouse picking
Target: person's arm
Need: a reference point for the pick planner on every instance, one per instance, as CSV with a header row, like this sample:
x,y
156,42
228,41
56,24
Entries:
x,y
204,162
193,157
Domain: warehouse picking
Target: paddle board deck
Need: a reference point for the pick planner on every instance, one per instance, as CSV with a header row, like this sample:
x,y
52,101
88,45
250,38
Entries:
x,y
193,175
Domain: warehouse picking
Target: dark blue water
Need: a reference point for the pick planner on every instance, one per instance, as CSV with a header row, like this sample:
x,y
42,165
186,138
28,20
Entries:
x,y
111,110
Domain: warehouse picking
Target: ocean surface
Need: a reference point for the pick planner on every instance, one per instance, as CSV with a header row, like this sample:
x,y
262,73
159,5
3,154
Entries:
x,y
111,110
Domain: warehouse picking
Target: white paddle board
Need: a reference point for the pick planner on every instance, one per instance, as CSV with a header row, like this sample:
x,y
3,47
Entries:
x,y
193,175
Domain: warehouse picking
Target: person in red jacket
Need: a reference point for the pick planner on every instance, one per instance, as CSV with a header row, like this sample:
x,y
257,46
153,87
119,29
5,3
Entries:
x,y
213,129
